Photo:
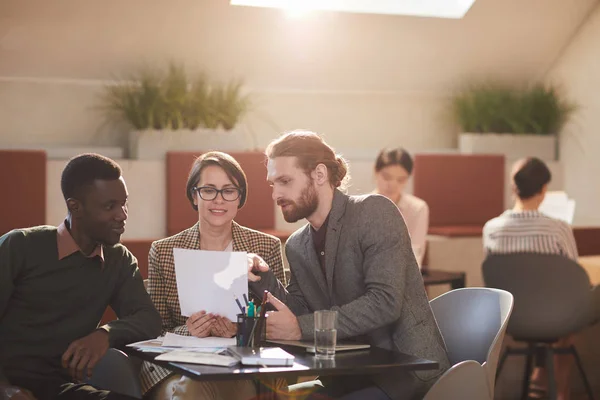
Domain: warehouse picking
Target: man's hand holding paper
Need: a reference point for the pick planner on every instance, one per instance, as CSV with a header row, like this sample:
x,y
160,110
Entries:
x,y
256,264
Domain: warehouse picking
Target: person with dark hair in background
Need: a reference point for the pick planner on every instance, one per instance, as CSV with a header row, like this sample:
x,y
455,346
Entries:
x,y
216,189
55,284
524,229
354,257
393,169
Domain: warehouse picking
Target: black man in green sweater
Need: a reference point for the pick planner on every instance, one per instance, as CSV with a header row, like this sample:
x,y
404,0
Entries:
x,y
55,284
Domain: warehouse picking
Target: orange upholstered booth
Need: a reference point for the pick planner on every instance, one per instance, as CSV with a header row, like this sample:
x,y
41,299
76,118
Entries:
x,y
258,212
23,179
588,240
463,191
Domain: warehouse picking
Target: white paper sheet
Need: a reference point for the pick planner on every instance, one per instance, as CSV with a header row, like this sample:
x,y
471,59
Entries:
x,y
208,280
174,340
558,205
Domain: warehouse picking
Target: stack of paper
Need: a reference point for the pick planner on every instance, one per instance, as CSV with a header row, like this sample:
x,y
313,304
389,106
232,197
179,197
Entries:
x,y
558,205
150,346
197,357
172,341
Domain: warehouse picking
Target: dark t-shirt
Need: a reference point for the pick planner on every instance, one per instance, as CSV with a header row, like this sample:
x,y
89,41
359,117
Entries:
x,y
318,237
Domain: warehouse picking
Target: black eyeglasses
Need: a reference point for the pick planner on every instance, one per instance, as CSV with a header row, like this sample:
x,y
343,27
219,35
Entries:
x,y
209,193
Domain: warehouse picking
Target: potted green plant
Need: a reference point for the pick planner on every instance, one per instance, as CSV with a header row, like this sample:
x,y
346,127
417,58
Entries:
x,y
514,122
168,110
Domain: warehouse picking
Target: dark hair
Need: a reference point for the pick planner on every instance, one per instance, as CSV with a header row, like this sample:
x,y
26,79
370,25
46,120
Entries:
x,y
83,170
310,150
530,178
399,156
229,164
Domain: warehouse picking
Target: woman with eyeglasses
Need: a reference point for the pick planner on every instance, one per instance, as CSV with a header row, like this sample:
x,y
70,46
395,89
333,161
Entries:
x,y
217,189
393,169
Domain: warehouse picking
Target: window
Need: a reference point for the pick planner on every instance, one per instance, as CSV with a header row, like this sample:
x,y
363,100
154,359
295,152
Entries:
x,y
421,8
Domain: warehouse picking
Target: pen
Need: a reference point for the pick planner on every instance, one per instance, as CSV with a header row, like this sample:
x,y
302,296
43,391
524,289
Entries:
x,y
238,303
251,337
264,302
261,319
251,309
246,299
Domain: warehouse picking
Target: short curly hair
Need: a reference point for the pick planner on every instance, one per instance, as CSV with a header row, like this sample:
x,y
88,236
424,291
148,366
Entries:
x,y
83,170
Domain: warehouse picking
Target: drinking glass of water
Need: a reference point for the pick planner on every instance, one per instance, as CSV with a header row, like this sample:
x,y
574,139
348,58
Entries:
x,y
325,333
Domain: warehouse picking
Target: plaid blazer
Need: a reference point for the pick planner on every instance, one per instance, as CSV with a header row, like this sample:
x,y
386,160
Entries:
x,y
162,284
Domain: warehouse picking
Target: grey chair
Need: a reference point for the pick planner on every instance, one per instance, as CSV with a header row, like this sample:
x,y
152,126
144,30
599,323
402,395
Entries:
x,y
472,322
465,380
118,373
553,299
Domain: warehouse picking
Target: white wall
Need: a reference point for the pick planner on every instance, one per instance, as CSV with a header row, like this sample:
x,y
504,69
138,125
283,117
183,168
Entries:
x,y
362,80
578,71
146,183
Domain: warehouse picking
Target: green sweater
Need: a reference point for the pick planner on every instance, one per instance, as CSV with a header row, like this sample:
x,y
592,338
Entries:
x,y
45,304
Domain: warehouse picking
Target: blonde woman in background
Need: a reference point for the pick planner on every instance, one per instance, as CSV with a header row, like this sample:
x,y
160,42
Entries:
x,y
393,169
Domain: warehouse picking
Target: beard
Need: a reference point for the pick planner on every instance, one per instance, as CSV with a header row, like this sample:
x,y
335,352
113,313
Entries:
x,y
304,207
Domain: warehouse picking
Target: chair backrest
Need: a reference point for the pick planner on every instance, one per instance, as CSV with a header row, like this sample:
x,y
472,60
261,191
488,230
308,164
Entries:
x,y
552,293
117,373
465,380
473,322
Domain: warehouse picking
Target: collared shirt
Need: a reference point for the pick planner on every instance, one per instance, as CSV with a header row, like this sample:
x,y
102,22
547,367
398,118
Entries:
x,y
67,246
528,232
318,237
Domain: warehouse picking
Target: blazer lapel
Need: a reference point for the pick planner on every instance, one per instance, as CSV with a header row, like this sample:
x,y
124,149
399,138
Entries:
x,y
191,238
240,242
334,229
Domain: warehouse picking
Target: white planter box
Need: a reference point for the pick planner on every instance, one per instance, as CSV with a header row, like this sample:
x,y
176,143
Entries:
x,y
154,144
511,146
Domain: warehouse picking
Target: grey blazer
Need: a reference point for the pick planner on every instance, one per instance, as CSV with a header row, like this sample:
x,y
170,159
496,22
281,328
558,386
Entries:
x,y
372,280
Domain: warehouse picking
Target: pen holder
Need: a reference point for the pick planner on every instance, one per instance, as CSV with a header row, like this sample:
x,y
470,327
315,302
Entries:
x,y
250,333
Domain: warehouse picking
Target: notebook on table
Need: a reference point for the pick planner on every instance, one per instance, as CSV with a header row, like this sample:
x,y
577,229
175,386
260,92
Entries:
x,y
262,356
310,346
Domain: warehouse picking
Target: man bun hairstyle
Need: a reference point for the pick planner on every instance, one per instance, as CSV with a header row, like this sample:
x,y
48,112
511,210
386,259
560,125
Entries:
x,y
311,150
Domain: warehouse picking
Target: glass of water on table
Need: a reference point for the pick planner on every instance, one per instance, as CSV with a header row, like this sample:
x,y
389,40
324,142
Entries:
x,y
325,333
